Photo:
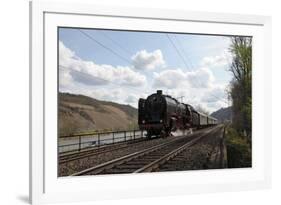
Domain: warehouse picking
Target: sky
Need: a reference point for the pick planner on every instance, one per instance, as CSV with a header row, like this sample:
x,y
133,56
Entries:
x,y
123,66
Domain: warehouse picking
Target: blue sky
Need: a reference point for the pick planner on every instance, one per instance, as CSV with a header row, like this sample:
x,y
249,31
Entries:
x,y
129,65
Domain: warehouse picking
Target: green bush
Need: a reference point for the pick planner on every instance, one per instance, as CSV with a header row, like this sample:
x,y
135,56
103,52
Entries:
x,y
239,153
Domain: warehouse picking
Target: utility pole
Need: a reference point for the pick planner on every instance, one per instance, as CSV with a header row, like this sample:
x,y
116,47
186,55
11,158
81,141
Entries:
x,y
181,98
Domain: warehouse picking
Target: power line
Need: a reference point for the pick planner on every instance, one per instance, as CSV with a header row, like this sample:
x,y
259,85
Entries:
x,y
178,41
90,37
104,46
185,63
109,49
178,52
116,43
193,68
191,64
129,61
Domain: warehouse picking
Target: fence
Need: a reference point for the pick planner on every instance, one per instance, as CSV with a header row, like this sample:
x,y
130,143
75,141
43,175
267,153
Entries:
x,y
78,142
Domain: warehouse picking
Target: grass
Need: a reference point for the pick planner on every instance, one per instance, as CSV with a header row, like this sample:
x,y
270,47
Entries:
x,y
239,152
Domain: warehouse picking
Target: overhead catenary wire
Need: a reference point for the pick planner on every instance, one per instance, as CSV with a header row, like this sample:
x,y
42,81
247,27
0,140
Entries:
x,y
129,61
109,49
116,43
105,47
184,52
185,63
181,56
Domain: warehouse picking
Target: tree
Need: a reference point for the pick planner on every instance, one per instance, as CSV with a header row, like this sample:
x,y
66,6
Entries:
x,y
241,85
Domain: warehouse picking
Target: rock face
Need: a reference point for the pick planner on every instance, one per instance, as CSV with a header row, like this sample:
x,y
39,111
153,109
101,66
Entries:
x,y
223,114
79,113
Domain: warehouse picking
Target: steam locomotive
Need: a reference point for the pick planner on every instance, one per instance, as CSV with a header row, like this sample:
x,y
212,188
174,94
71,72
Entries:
x,y
161,114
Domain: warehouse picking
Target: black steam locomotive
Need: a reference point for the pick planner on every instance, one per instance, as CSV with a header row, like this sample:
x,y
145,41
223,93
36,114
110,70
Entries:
x,y
161,114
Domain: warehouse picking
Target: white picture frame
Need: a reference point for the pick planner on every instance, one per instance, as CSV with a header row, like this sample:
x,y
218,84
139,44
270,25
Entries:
x,y
46,187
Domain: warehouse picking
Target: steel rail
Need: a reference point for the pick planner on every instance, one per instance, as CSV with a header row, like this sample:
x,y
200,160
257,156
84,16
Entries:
x,y
107,165
155,164
98,169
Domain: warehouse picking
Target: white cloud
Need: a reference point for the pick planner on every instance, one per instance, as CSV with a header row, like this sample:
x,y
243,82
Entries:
x,y
102,81
65,78
131,99
118,95
115,94
213,98
201,78
198,87
72,68
144,60
169,78
214,94
65,53
174,78
215,61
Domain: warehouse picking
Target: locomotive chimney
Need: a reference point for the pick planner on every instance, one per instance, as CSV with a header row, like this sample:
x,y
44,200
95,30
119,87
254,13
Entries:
x,y
159,92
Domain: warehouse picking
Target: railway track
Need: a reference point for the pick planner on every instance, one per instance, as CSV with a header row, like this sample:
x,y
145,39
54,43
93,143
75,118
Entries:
x,y
146,160
96,151
208,157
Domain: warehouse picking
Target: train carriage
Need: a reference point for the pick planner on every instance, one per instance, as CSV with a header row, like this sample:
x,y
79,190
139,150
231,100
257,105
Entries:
x,y
212,120
203,120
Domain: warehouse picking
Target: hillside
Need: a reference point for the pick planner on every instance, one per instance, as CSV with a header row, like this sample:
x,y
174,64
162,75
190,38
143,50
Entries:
x,y
79,113
222,114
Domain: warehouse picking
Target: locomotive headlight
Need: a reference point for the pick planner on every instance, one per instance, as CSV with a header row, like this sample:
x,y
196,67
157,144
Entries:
x,y
161,121
143,121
